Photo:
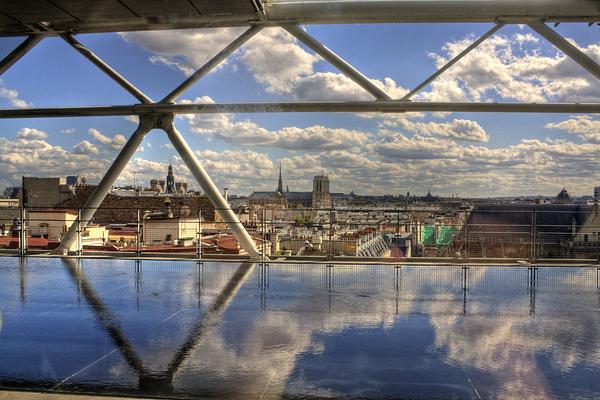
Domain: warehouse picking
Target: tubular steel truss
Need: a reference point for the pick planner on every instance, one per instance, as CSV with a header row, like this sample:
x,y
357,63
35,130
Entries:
x,y
160,114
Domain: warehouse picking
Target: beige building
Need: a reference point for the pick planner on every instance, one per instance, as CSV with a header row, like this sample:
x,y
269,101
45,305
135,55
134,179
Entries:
x,y
53,223
165,230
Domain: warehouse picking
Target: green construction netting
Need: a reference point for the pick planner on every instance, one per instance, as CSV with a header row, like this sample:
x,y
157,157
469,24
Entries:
x,y
444,237
428,235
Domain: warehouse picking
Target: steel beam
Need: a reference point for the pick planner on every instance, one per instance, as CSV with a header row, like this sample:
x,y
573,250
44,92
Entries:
x,y
570,50
212,63
382,106
456,59
107,69
107,181
19,52
393,11
209,188
337,62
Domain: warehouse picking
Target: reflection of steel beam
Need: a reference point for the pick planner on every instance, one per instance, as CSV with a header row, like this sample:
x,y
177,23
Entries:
x,y
380,106
211,317
450,63
566,47
212,63
22,279
98,195
107,69
19,52
337,61
108,322
210,189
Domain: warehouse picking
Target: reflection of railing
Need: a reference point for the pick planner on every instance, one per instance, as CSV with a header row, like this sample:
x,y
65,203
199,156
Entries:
x,y
530,233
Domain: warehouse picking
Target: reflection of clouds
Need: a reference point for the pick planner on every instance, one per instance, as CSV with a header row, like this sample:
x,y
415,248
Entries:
x,y
258,352
500,338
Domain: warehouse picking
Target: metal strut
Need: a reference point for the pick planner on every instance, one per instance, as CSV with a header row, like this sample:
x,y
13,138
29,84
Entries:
x,y
147,123
19,52
337,62
456,59
566,47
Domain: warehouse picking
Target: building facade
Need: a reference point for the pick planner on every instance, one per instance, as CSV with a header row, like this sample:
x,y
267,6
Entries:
x,y
321,196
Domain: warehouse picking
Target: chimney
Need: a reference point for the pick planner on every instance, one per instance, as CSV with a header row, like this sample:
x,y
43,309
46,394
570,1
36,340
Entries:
x,y
226,194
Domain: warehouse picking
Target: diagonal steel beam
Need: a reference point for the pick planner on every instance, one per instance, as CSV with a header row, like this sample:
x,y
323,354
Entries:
x,y
566,47
107,69
98,195
212,63
337,62
209,187
19,52
456,59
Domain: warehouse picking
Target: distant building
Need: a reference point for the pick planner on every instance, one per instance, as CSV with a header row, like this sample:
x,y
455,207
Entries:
x,y
563,197
48,192
321,197
597,193
168,186
170,189
505,230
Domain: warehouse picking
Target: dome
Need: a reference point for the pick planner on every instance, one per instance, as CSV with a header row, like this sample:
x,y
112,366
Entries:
x,y
563,197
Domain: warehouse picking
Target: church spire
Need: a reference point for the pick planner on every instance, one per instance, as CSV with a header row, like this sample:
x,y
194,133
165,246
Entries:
x,y
280,182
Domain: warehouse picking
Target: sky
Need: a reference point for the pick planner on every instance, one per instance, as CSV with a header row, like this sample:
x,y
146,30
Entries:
x,y
467,154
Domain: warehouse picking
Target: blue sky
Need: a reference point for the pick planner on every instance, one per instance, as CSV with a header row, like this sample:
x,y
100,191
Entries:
x,y
464,153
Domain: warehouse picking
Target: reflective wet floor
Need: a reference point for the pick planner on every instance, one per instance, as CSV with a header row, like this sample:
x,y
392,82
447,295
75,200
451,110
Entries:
x,y
231,330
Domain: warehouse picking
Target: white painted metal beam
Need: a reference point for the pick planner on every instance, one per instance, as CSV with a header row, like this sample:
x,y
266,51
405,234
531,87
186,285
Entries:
x,y
566,47
212,63
107,181
337,62
107,69
450,63
19,52
209,188
381,106
390,11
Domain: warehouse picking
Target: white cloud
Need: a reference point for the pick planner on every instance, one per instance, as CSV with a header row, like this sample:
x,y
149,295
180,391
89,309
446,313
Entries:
x,y
116,142
36,157
85,147
183,50
312,138
31,133
496,68
457,129
12,96
583,126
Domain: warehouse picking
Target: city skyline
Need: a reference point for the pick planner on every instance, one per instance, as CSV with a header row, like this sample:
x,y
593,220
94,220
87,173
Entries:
x,y
473,155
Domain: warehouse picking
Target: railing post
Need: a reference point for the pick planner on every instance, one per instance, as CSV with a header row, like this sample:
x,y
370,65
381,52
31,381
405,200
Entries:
x,y
534,236
331,252
263,236
138,245
79,239
23,232
199,235
466,235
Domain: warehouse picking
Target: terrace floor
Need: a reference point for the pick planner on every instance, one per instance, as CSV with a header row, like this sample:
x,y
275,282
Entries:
x,y
187,329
